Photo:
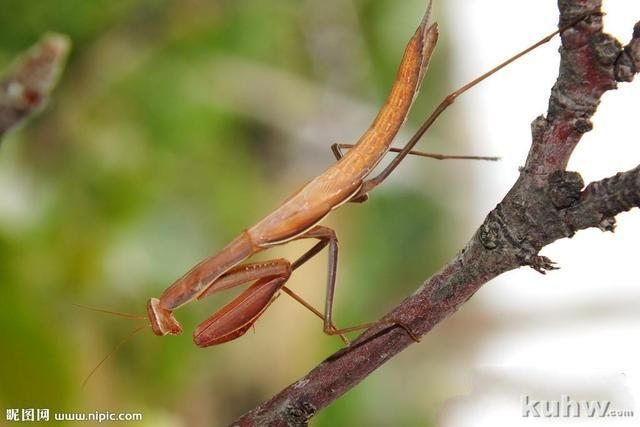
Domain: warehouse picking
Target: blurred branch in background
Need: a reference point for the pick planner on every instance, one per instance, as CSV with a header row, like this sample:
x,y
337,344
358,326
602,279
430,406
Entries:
x,y
25,88
545,204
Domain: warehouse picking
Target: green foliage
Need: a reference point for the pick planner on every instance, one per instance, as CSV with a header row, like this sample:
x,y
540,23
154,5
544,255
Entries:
x,y
131,175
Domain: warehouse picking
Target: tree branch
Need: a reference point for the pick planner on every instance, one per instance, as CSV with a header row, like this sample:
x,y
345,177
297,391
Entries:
x,y
24,89
545,204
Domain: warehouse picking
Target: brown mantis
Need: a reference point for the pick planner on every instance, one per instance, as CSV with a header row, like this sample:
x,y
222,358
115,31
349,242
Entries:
x,y
298,217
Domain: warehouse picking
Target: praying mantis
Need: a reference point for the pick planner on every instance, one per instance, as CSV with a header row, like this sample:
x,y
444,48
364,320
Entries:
x,y
298,217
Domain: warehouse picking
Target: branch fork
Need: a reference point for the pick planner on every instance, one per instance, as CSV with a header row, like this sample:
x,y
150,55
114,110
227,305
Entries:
x,y
546,203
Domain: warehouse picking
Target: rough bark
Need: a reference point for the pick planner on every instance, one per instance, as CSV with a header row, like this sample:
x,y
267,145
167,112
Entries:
x,y
545,204
27,84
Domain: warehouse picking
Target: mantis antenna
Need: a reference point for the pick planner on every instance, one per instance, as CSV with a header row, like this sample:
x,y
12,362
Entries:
x,y
117,346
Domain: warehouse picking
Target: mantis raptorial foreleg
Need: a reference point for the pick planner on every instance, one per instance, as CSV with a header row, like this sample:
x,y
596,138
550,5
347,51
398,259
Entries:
x,y
235,318
249,272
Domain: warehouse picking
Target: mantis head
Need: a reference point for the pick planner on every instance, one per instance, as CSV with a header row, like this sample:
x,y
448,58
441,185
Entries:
x,y
162,320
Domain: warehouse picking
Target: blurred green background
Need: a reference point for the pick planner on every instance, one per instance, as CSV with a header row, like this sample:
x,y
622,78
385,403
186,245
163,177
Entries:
x,y
176,125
